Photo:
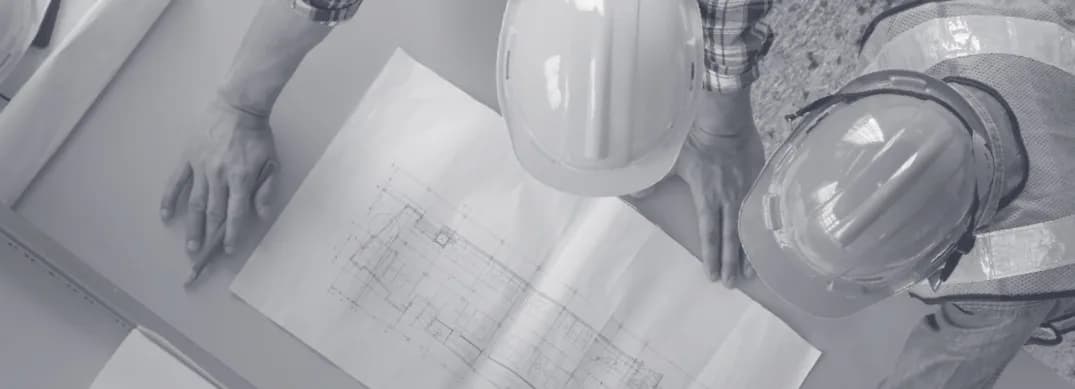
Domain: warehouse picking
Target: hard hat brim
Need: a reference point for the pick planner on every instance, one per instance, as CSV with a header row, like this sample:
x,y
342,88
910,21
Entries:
x,y
793,281
641,174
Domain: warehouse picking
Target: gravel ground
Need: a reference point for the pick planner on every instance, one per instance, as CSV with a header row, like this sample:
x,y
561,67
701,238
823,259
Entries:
x,y
814,53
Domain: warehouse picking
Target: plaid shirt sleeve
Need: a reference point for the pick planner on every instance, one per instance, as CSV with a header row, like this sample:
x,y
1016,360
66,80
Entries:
x,y
735,37
327,11
735,40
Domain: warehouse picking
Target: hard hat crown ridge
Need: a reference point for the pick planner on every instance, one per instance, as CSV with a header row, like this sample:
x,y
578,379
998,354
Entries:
x,y
601,104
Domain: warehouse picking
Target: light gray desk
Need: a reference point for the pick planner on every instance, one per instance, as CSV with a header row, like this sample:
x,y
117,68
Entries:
x,y
61,320
99,197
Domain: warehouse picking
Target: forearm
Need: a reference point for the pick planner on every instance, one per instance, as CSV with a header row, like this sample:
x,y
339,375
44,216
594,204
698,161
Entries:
x,y
274,46
735,41
965,346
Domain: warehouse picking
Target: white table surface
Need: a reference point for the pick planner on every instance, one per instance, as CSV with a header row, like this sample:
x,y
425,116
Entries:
x,y
99,196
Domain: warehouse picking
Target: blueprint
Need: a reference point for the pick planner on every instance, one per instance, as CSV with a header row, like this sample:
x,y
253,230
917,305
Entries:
x,y
418,254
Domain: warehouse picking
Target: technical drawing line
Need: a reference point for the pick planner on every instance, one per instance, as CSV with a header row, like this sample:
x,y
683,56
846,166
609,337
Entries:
x,y
377,257
513,372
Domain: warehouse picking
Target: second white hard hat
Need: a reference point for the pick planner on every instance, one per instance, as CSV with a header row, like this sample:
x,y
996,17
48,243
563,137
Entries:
x,y
599,95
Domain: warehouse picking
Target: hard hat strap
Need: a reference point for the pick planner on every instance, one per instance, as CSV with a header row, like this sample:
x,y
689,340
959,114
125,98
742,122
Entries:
x,y
995,200
885,14
821,104
960,248
1052,332
979,212
816,104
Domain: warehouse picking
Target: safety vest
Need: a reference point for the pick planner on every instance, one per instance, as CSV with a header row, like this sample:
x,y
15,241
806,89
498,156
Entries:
x,y
1027,55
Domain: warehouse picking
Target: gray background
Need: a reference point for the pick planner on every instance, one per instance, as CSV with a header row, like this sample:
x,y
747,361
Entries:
x,y
99,197
53,337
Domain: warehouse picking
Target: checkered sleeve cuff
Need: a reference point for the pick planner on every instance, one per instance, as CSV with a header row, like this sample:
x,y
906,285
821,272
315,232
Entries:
x,y
735,41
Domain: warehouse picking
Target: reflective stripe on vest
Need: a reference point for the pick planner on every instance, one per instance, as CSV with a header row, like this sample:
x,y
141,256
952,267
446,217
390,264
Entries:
x,y
1018,251
941,39
1004,253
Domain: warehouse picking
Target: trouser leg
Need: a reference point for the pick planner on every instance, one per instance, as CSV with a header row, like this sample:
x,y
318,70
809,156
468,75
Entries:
x,y
966,345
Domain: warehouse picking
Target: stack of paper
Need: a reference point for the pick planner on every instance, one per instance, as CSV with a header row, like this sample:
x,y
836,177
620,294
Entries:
x,y
418,254
141,363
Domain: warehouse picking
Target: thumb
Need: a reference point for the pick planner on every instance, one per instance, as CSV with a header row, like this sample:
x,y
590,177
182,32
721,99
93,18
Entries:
x,y
707,229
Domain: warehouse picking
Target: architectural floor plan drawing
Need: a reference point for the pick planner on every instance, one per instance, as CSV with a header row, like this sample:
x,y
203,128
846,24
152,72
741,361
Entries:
x,y
418,254
420,278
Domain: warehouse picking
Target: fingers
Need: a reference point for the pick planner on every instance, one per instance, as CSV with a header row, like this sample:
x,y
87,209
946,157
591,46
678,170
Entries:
x,y
176,183
729,246
196,206
239,204
265,190
216,211
711,242
708,232
219,207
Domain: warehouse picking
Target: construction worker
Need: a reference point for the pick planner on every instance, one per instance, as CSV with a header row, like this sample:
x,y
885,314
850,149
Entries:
x,y
945,170
643,123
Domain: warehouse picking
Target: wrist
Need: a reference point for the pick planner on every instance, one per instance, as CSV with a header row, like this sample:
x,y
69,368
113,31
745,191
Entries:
x,y
723,141
274,46
232,99
244,116
725,115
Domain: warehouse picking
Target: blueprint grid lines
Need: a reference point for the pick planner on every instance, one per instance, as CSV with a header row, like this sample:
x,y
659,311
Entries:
x,y
421,278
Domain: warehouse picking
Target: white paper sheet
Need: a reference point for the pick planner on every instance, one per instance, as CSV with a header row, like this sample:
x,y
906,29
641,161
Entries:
x,y
141,363
418,254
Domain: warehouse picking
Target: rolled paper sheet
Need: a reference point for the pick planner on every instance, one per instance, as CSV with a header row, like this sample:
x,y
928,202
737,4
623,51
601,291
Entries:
x,y
48,107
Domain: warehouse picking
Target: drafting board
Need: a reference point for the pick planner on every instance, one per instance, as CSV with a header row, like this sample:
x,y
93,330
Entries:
x,y
61,321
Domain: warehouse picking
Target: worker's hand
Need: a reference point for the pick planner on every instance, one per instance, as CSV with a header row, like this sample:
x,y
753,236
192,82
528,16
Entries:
x,y
229,166
719,162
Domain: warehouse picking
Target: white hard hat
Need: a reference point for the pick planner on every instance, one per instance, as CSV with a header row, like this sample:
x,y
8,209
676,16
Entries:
x,y
18,22
599,95
874,191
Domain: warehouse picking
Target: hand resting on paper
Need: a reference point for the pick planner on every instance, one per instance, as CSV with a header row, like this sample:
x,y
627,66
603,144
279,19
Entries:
x,y
230,166
230,162
719,162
